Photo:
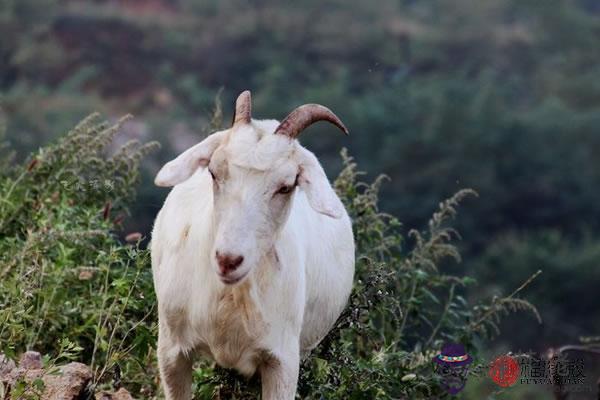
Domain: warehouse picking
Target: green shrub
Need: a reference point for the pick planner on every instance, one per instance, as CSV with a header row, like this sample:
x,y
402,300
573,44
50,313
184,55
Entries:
x,y
64,273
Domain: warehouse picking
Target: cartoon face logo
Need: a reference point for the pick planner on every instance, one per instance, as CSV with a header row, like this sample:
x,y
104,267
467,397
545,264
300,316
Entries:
x,y
453,367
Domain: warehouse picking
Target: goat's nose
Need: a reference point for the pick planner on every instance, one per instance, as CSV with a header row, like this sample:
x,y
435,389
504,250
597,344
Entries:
x,y
228,262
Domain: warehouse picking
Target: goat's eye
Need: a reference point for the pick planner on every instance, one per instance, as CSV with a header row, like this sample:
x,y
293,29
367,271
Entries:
x,y
285,189
212,175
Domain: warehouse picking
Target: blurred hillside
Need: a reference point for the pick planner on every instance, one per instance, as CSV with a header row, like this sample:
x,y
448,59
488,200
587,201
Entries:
x,y
502,96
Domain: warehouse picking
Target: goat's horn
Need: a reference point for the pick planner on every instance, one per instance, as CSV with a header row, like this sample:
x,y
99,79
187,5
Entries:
x,y
304,116
243,108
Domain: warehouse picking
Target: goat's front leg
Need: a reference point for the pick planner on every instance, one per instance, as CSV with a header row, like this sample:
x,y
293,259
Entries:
x,y
175,369
279,375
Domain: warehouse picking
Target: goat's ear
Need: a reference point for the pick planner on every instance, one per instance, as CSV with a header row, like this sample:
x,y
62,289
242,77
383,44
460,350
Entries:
x,y
320,194
184,166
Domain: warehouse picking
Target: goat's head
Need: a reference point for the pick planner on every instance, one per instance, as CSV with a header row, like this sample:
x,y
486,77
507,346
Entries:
x,y
256,167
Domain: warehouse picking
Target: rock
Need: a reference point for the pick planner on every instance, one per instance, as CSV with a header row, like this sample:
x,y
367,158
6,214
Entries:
x,y
28,375
30,360
6,365
123,394
120,394
69,384
20,374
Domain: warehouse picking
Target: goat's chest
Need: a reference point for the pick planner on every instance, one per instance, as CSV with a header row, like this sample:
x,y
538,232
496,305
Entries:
x,y
233,330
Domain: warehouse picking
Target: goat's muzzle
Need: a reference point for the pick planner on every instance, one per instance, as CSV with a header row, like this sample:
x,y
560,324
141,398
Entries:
x,y
228,263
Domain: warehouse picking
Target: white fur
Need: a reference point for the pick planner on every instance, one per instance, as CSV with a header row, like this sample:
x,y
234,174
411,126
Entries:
x,y
298,259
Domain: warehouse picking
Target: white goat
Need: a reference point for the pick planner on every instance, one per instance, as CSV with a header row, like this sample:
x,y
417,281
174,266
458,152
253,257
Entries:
x,y
248,270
